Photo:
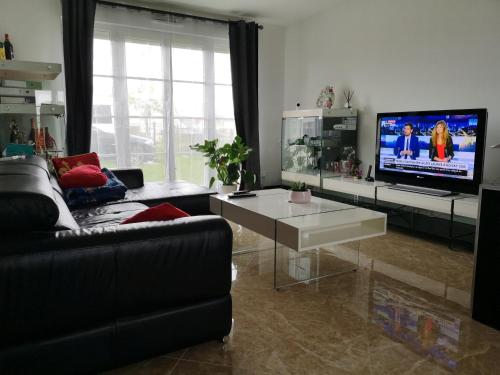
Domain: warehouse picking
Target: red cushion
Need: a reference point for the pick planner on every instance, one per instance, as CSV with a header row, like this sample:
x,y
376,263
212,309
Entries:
x,y
162,212
83,176
63,165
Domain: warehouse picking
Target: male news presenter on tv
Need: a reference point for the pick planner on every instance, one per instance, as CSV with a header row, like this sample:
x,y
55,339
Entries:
x,y
407,145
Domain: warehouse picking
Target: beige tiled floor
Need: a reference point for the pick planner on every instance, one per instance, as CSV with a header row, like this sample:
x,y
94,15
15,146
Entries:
x,y
406,311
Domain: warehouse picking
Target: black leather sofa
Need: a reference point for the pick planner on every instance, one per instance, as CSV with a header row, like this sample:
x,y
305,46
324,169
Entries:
x,y
80,294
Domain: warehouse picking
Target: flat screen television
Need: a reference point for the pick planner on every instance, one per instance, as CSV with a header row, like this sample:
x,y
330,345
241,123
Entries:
x,y
436,149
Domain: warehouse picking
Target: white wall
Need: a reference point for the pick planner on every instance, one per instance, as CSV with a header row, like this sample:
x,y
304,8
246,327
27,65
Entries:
x,y
400,55
271,84
35,30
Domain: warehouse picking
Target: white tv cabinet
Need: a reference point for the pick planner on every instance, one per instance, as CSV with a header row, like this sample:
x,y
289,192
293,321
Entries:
x,y
455,206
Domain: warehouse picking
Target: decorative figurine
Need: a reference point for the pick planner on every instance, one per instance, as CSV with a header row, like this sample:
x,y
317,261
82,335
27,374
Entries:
x,y
16,135
326,98
50,142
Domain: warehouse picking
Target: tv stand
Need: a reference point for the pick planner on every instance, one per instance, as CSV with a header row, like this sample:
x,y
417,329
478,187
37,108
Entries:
x,y
422,190
457,209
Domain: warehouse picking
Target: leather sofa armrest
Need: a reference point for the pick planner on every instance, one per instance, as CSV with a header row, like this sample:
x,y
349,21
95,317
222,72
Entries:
x,y
110,272
133,178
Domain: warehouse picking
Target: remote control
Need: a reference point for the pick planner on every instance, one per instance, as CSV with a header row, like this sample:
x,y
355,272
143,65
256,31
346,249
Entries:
x,y
241,192
239,196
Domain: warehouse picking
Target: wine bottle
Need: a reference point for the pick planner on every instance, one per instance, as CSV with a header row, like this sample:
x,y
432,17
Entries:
x,y
9,48
31,137
2,51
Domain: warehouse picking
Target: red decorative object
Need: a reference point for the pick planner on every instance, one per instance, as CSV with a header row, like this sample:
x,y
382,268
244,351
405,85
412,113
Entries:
x,y
63,165
40,140
50,142
162,212
84,176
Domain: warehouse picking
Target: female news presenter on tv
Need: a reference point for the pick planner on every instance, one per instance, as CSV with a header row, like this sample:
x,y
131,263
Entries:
x,y
441,147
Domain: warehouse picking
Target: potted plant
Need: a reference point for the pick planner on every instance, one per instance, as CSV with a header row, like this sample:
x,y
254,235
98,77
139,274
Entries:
x,y
300,193
226,160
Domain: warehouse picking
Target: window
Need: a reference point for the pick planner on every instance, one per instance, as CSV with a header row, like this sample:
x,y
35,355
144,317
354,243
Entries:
x,y
158,91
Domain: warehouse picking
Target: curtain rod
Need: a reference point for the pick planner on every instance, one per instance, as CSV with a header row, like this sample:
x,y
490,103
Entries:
x,y
135,7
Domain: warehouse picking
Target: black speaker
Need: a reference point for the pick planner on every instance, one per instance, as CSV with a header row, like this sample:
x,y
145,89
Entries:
x,y
368,177
486,289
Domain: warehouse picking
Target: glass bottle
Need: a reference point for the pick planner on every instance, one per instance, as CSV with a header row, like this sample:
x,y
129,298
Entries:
x,y
2,51
9,48
31,137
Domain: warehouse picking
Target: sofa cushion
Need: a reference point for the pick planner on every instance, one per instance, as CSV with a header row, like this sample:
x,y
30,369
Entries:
x,y
189,197
154,191
111,214
27,203
63,165
83,176
162,212
113,190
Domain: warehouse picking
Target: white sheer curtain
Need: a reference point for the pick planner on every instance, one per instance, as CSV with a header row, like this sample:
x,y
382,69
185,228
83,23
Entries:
x,y
161,83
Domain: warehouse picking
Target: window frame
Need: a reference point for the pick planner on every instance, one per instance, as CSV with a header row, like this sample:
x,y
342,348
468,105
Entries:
x,y
118,36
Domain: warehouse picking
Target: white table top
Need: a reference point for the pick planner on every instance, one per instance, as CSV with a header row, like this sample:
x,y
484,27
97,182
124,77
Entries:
x,y
273,203
333,219
300,226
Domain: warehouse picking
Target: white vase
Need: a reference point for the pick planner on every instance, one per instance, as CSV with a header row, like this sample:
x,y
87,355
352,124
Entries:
x,y
300,196
227,189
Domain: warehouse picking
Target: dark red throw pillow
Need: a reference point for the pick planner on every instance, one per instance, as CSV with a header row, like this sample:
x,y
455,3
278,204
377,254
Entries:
x,y
63,165
162,212
84,176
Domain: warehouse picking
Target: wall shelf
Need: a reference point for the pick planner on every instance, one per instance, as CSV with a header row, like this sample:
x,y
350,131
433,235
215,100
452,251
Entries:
x,y
31,109
29,70
51,109
18,109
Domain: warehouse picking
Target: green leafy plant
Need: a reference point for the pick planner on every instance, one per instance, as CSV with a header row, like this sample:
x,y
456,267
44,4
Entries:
x,y
226,160
299,186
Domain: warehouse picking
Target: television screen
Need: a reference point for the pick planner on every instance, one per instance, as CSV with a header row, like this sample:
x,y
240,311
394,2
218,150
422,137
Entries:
x,y
432,146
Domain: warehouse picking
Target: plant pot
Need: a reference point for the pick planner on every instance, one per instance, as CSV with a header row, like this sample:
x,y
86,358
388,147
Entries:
x,y
300,196
227,189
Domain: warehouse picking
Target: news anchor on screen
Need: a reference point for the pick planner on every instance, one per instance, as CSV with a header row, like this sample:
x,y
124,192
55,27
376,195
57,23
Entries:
x,y
441,147
407,145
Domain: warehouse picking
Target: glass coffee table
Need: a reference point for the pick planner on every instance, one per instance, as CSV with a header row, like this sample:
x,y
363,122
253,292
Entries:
x,y
300,227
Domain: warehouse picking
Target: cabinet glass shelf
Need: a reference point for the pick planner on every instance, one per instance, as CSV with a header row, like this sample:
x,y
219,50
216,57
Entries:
x,y
317,144
19,117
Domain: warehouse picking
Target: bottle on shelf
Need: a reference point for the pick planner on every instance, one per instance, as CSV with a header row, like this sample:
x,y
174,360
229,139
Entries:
x,y
9,48
50,142
40,140
32,136
2,51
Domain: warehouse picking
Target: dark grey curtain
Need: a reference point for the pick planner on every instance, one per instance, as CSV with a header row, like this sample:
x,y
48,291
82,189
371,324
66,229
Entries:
x,y
243,44
78,34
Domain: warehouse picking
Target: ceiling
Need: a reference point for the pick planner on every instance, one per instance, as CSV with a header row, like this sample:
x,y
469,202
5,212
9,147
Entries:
x,y
276,12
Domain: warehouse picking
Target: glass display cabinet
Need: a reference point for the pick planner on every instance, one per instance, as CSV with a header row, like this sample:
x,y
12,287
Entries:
x,y
301,148
318,144
28,121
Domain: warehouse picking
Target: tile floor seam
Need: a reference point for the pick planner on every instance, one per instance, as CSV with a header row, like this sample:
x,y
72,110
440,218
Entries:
x,y
173,368
210,363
